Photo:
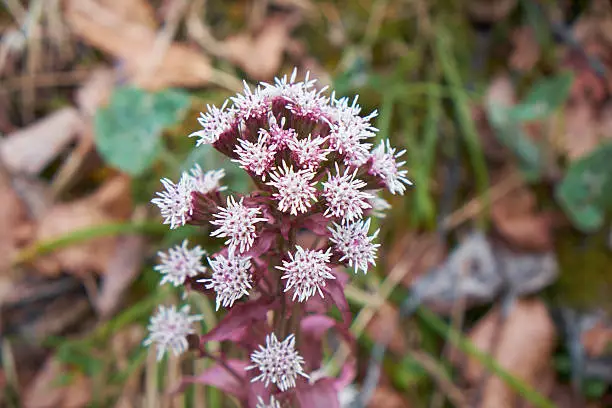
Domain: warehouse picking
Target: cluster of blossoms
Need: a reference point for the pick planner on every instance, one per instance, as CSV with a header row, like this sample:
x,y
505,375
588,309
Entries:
x,y
314,169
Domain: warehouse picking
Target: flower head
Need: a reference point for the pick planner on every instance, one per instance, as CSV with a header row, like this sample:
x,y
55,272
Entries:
x,y
256,157
180,263
352,241
175,202
251,105
169,329
230,278
308,152
272,404
207,182
349,130
278,362
385,166
278,134
237,223
306,272
215,122
343,197
295,189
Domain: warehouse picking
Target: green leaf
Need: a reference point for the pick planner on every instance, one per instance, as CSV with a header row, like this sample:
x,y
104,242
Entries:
x,y
586,191
128,131
508,131
545,97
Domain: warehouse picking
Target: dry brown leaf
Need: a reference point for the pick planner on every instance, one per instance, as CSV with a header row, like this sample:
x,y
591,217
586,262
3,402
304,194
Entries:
x,y
597,340
133,44
31,149
489,11
137,11
44,393
123,268
516,219
387,397
95,91
260,56
12,217
526,49
383,323
580,130
524,345
110,203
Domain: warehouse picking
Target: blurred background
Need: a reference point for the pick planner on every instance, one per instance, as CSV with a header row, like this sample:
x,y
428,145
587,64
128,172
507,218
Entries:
x,y
496,267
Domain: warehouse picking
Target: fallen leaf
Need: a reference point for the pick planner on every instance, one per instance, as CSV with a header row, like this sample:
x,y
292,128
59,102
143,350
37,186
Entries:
x,y
31,149
526,50
382,324
518,221
12,216
580,136
527,273
45,393
137,11
123,268
108,204
523,344
134,44
387,397
95,91
469,274
597,339
261,55
487,11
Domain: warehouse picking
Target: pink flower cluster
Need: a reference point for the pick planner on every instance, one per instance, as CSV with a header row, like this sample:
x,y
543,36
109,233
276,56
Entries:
x,y
314,168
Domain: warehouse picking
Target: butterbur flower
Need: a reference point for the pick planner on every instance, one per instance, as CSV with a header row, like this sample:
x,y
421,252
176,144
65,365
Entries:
x,y
306,272
385,166
280,136
308,152
208,182
215,122
175,202
344,200
180,263
256,157
169,329
273,403
278,362
295,189
231,278
353,242
313,166
237,223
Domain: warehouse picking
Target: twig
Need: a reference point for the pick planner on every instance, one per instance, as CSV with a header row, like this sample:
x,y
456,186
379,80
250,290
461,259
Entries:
x,y
475,206
44,80
200,32
163,41
437,373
